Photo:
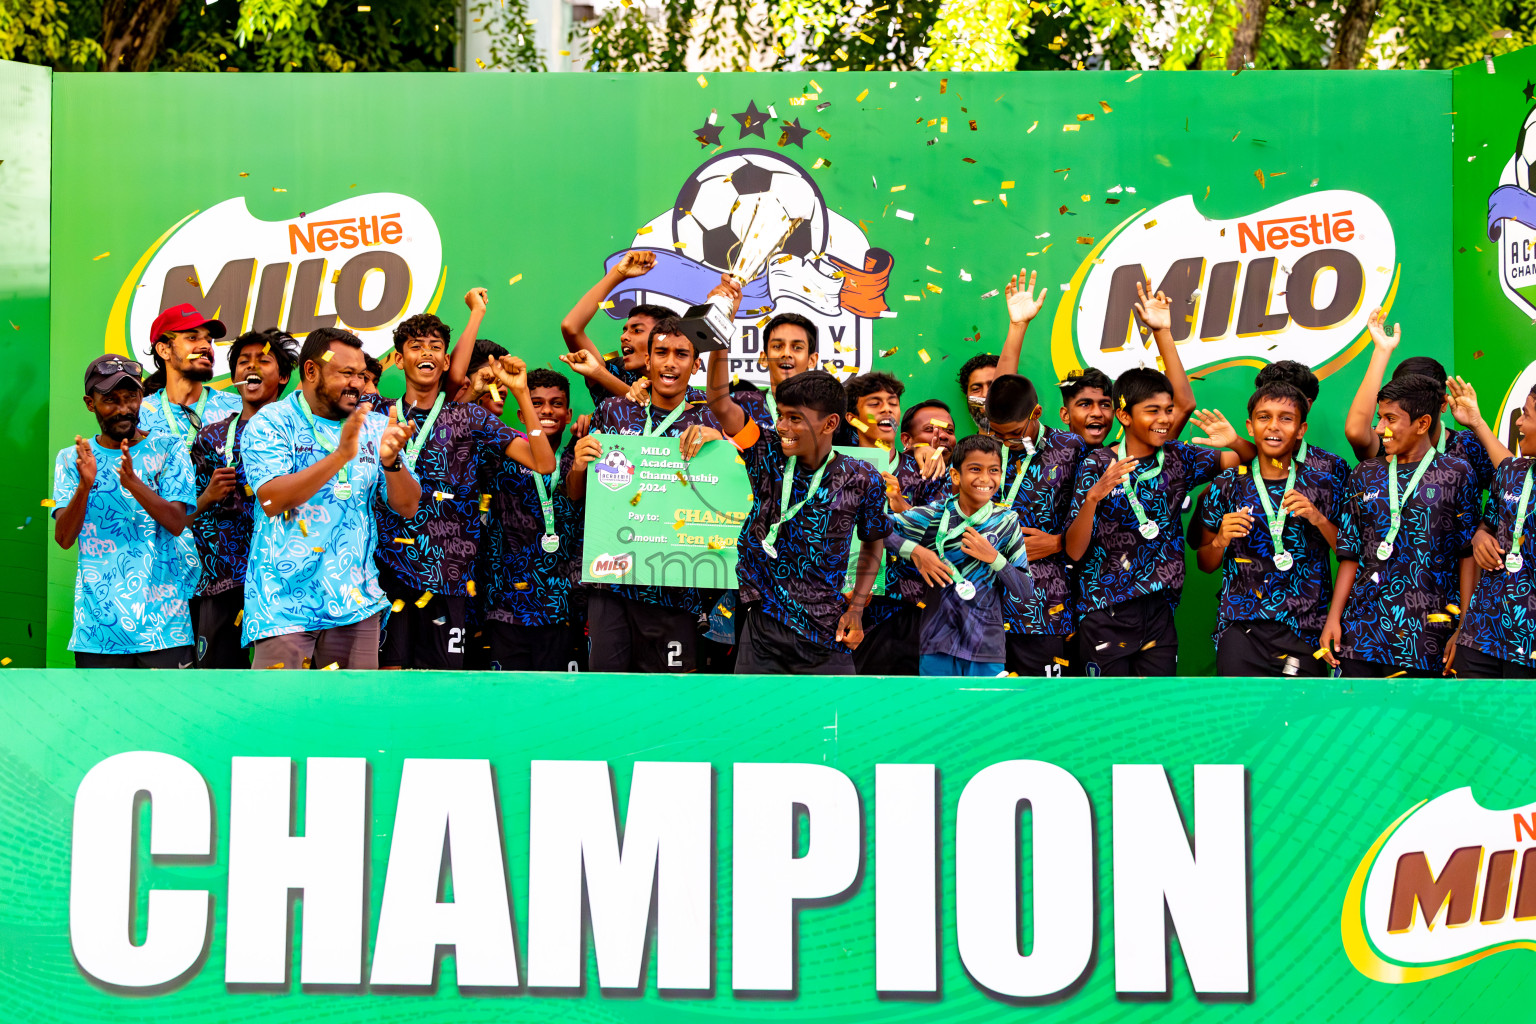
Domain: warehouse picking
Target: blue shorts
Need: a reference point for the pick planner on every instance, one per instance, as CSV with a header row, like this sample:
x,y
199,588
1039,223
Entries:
x,y
949,665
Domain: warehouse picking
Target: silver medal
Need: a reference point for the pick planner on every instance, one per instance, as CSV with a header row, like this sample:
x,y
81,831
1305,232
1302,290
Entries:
x,y
342,491
1383,551
1148,530
550,542
966,589
1513,561
1284,560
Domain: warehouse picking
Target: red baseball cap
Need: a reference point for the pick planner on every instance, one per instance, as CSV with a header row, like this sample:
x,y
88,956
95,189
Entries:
x,y
184,317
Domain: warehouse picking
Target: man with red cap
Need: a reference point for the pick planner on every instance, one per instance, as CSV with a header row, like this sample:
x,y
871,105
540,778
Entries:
x,y
179,402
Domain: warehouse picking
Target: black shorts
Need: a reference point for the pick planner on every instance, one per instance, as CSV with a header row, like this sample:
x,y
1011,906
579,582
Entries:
x,y
217,632
634,636
1037,655
517,648
1266,649
431,637
891,648
765,646
1471,663
169,657
1132,638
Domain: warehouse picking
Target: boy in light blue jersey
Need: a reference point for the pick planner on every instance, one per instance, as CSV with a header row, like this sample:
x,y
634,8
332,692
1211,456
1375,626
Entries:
x,y
179,401
126,497
316,461
982,548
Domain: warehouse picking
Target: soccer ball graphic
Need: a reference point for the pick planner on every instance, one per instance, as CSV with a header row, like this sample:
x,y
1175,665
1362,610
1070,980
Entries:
x,y
1525,151
716,205
616,461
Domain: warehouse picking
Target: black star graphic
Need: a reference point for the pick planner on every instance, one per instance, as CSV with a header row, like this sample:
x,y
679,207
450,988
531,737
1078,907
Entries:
x,y
1530,90
751,121
709,135
794,134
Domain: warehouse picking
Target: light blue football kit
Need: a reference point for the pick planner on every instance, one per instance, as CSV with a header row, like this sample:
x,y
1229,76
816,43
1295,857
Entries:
x,y
134,577
311,569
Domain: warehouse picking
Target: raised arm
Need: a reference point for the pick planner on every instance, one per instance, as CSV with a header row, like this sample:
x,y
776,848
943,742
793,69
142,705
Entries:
x,y
574,327
1219,433
287,492
1357,422
590,365
1080,533
69,519
464,348
1465,411
1023,306
172,515
1154,312
532,451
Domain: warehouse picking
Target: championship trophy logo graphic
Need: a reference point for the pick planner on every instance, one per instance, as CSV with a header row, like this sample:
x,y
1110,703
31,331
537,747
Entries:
x,y
1512,227
760,217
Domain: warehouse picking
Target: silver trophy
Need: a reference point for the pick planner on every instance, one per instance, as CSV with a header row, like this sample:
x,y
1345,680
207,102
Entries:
x,y
711,325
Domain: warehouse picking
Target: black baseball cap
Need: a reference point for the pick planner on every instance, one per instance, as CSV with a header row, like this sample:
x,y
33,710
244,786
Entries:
x,y
106,373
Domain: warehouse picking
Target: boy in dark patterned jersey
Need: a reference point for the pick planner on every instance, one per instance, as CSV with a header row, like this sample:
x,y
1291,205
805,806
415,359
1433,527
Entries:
x,y
532,550
633,628
1086,406
1404,541
425,563
1497,636
912,477
1473,446
792,557
1127,530
612,377
1273,544
1039,472
260,364
1300,377
982,543
789,347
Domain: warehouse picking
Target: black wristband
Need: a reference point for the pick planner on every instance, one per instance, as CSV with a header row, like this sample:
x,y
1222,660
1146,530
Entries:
x,y
395,468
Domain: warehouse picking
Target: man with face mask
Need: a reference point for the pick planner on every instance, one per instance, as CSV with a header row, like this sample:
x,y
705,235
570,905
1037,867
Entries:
x,y
179,400
125,496
315,462
260,364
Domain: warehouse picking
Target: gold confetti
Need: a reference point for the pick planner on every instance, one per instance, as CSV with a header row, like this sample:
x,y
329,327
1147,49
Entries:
x,y
824,134
860,97
397,607
318,551
405,540
1106,107
725,611
1149,645
636,499
520,586
1454,609
279,664
1084,239
681,478
933,288
980,202
326,356
101,257
1032,127
245,174
5,661
514,279
644,231
485,503
898,188
1070,127
922,353
678,525
332,667
425,599
239,615
1259,173
1150,224
304,527
279,190
703,82
858,425
49,503
1437,617
1085,117
610,356
941,424
1319,652
1057,609
1063,662
1007,184
820,163
469,585
1243,560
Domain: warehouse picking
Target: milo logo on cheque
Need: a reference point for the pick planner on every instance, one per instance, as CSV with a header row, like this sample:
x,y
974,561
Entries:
x,y
363,264
618,566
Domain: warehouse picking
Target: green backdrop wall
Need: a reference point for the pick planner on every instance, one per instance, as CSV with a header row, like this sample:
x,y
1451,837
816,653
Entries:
x,y
961,179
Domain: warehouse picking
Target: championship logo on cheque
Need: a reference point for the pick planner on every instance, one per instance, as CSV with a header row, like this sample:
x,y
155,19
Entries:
x,y
759,216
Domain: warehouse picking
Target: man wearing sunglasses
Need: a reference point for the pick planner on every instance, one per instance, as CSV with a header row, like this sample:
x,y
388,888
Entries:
x,y
125,497
179,400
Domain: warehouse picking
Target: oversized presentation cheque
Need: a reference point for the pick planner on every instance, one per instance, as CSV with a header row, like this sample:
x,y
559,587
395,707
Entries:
x,y
654,520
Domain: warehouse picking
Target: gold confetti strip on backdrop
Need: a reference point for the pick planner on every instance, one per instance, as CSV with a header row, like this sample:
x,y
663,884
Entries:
x,y
101,257
514,279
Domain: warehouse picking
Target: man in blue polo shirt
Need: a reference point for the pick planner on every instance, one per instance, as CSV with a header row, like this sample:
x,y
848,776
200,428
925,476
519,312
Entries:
x,y
316,460
125,496
179,400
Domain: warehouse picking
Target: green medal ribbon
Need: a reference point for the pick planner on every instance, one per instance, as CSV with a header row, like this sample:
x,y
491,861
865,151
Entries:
x,y
413,446
1146,527
1283,559
1395,503
772,403
1514,560
342,488
1018,479
653,429
785,512
229,440
551,540
964,587
1440,444
191,435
